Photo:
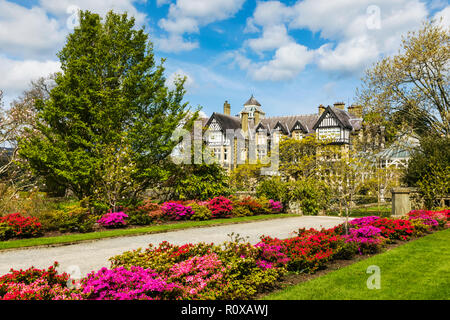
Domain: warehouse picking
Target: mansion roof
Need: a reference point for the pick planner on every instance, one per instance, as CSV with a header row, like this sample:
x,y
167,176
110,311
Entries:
x,y
306,123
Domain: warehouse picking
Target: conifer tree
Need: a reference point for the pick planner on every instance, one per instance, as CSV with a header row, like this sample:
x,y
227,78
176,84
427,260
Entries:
x,y
110,87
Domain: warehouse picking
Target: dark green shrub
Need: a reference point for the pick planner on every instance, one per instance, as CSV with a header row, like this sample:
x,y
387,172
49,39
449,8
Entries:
x,y
73,218
273,188
199,182
312,194
6,232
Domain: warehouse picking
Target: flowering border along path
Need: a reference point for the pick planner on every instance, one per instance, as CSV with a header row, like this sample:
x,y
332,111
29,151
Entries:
x,y
233,270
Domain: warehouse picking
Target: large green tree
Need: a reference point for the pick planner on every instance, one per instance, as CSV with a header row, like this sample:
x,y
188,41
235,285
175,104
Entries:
x,y
110,87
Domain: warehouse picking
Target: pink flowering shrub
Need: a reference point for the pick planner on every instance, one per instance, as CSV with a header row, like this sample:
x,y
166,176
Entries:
x,y
434,219
220,207
36,284
199,276
275,206
133,284
176,211
113,219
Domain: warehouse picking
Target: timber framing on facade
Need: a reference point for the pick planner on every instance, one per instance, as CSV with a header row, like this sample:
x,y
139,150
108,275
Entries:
x,y
260,133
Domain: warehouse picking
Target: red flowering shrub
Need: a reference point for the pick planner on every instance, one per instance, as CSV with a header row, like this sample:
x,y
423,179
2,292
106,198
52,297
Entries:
x,y
20,226
394,229
311,249
251,204
220,207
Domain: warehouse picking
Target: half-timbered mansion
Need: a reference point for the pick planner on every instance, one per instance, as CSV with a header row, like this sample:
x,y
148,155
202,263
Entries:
x,y
335,123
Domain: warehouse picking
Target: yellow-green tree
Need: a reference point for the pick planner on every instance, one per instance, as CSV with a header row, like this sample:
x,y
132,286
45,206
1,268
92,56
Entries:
x,y
411,88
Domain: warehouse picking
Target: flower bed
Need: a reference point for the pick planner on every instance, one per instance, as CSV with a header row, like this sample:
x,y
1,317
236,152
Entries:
x,y
233,270
77,218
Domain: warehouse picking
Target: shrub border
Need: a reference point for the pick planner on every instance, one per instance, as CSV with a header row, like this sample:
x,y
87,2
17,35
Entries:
x,y
21,244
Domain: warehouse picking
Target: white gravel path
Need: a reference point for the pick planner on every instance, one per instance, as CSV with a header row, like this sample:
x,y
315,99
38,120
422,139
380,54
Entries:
x,y
89,256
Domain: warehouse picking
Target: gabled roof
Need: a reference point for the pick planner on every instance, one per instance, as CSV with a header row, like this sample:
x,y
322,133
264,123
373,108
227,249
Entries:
x,y
225,121
289,122
344,119
252,102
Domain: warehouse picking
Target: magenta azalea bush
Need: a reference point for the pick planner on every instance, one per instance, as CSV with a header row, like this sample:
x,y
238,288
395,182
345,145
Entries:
x,y
123,284
271,256
113,219
364,221
176,211
367,238
275,206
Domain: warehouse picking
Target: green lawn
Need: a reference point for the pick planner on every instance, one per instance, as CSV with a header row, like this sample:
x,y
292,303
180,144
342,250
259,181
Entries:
x,y
381,211
72,238
419,270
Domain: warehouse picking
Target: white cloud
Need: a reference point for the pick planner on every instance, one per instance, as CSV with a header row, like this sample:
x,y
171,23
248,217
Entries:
x,y
16,75
445,15
357,32
273,37
363,29
288,62
59,8
28,33
179,74
175,43
348,56
160,3
271,13
187,16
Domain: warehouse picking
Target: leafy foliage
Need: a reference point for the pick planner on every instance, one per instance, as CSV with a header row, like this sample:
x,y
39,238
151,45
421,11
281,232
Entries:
x,y
199,181
429,169
410,89
100,95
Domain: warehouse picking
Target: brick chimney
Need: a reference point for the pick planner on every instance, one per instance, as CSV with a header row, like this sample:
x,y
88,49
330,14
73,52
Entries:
x,y
339,105
321,109
226,108
244,121
257,115
356,110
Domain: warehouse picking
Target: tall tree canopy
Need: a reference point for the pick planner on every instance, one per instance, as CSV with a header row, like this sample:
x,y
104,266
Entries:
x,y
110,88
412,87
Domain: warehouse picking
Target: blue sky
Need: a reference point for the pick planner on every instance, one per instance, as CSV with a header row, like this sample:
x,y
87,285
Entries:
x,y
292,55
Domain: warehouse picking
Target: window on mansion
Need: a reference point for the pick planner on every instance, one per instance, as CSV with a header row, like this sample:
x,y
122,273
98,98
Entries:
x,y
329,133
215,136
216,153
262,152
